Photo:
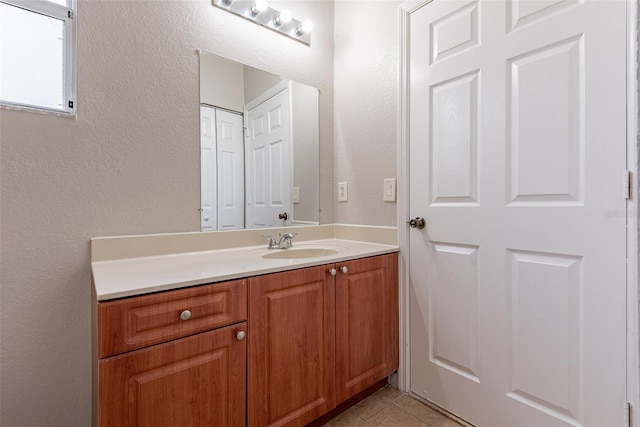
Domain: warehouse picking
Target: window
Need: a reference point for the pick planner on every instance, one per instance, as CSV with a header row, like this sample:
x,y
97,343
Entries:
x,y
36,55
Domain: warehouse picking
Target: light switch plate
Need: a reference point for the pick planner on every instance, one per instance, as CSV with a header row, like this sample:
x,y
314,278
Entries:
x,y
342,192
389,190
296,194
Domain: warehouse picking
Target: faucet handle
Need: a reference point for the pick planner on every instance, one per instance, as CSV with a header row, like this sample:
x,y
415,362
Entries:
x,y
273,243
287,239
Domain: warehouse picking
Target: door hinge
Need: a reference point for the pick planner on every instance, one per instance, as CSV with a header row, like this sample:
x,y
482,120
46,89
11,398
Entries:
x,y
627,414
626,186
70,104
70,14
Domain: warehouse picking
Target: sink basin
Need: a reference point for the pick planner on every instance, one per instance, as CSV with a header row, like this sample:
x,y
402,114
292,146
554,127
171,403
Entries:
x,y
296,253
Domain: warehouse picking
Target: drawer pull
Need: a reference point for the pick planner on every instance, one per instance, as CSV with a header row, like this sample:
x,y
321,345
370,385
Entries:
x,y
344,269
185,315
333,272
240,335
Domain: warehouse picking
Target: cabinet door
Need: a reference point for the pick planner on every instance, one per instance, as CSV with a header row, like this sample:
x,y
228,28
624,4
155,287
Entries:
x,y
366,323
291,347
194,381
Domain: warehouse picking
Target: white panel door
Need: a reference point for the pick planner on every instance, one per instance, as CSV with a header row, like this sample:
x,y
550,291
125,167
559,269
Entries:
x,y
269,162
517,148
230,156
208,172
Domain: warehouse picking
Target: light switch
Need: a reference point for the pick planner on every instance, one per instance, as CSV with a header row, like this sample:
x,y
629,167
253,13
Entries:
x,y
296,194
389,190
342,192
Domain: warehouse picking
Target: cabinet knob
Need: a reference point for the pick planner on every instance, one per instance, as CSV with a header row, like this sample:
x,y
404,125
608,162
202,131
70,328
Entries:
x,y
185,315
344,269
333,272
240,335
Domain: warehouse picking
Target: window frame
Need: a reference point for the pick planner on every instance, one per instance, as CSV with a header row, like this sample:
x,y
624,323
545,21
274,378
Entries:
x,y
66,14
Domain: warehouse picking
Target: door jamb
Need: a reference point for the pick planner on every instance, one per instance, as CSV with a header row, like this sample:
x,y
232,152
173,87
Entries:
x,y
633,353
404,12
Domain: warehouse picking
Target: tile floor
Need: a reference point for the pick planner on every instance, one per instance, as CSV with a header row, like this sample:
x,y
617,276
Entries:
x,y
389,407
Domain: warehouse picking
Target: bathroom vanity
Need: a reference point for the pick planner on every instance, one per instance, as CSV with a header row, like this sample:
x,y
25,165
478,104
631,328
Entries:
x,y
266,341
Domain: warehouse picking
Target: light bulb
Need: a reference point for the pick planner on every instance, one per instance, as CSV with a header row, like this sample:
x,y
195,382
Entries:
x,y
284,17
259,6
306,27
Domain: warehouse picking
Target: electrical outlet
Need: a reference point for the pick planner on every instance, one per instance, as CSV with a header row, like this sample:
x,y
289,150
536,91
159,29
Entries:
x,y
342,192
389,190
296,194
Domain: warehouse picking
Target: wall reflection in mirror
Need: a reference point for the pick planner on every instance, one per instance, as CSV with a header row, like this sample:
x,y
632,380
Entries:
x,y
259,145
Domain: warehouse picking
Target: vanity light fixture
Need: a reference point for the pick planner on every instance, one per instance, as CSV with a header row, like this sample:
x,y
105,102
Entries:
x,y
259,6
259,12
284,17
305,27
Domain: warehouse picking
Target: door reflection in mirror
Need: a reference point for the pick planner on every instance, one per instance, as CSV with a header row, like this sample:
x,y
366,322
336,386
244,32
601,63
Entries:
x,y
259,141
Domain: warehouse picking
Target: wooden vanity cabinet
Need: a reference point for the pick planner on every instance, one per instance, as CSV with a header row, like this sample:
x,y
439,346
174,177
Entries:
x,y
316,338
175,358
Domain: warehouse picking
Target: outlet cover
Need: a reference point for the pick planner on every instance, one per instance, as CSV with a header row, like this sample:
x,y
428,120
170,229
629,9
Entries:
x,y
296,194
389,190
342,192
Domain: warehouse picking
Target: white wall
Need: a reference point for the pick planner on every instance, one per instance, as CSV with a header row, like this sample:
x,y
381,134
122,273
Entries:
x,y
221,82
304,128
127,165
365,70
257,82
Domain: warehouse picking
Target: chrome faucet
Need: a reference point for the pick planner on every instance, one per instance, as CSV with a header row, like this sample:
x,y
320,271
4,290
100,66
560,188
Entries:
x,y
287,240
283,241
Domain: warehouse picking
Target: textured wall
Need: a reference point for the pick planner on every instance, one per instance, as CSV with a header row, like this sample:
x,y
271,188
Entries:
x,y
256,82
366,88
304,132
128,164
221,82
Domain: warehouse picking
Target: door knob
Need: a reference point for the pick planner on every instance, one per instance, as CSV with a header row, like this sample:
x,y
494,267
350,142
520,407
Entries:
x,y
418,222
283,216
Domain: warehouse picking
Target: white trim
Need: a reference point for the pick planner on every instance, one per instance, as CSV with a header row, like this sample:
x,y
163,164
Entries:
x,y
295,222
269,93
71,62
289,88
5,105
61,13
633,355
404,12
374,227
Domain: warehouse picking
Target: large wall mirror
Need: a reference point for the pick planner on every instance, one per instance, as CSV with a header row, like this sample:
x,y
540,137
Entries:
x,y
259,148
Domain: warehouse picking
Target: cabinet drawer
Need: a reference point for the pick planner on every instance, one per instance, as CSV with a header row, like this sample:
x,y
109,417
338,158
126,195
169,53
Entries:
x,y
137,322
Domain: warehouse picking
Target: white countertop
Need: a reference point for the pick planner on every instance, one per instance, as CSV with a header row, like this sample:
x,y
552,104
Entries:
x,y
136,276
